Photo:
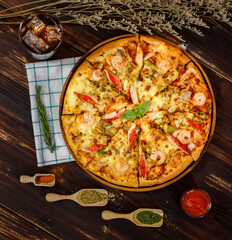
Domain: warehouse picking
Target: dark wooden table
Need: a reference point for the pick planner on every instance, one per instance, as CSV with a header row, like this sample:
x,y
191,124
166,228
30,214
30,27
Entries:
x,y
24,212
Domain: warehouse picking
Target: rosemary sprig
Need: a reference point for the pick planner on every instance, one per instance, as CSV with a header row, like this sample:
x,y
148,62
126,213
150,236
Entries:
x,y
43,118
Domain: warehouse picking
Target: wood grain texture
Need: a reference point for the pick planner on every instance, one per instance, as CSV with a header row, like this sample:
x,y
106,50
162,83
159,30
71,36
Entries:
x,y
14,227
24,213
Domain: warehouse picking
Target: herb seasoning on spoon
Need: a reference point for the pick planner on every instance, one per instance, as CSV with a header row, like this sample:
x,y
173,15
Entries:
x,y
148,217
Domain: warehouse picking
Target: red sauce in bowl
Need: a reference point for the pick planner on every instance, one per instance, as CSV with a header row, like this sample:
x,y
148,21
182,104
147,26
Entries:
x,y
195,202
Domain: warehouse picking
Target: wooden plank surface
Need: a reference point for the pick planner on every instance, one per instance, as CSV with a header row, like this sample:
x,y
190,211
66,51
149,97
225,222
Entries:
x,y
15,227
24,213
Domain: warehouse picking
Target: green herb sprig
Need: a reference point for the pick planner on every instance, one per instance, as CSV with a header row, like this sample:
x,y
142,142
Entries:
x,y
137,112
43,118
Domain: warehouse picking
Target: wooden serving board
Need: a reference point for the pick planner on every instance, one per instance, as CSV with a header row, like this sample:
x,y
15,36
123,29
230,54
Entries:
x,y
189,168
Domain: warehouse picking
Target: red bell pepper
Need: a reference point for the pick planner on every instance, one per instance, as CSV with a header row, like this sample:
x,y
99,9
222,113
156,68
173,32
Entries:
x,y
85,98
93,148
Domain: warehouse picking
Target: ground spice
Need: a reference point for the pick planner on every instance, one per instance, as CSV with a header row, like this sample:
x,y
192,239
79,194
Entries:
x,y
44,179
148,217
92,196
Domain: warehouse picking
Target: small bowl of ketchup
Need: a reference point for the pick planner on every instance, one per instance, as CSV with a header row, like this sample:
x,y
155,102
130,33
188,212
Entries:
x,y
195,203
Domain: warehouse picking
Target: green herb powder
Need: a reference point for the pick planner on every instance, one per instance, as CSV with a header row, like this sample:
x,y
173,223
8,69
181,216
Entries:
x,y
92,196
148,217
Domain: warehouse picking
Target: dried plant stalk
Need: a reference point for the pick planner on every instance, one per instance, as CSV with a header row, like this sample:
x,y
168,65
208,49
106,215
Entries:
x,y
130,15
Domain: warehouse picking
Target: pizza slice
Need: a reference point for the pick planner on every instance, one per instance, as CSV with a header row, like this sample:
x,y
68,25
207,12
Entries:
x,y
189,129
88,90
159,159
188,93
121,61
118,162
162,65
86,134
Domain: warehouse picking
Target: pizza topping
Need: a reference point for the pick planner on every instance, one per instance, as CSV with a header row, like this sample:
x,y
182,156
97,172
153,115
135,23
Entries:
x,y
191,146
186,96
171,129
184,136
159,156
94,147
118,62
153,67
121,165
199,99
194,125
164,65
148,55
137,112
97,75
112,78
133,95
201,115
113,115
131,135
85,98
184,74
142,164
88,119
177,143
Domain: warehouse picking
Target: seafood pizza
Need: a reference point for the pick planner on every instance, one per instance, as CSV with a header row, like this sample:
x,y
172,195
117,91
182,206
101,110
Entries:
x,y
137,112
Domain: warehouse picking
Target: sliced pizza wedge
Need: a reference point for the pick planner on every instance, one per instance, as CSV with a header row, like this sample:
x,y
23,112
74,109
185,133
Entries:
x,y
191,129
87,134
121,61
159,159
162,65
188,93
89,90
118,163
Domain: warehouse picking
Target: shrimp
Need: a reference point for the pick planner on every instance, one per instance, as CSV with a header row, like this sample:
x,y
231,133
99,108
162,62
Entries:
x,y
164,65
159,156
121,165
88,119
97,75
199,99
118,62
184,136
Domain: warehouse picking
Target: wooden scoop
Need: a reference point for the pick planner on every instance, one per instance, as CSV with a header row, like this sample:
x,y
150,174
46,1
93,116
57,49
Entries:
x,y
76,197
108,215
39,176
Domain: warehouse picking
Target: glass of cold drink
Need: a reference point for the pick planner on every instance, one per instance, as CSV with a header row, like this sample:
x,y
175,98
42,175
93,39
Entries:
x,y
41,34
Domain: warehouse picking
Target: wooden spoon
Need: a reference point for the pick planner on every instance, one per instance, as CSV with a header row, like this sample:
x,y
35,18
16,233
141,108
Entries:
x,y
76,197
108,215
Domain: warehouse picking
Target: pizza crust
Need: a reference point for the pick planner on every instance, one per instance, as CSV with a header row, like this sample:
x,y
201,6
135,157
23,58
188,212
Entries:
x,y
107,48
164,178
123,182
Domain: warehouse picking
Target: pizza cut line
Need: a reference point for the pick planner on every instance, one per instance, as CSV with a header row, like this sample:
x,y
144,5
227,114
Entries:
x,y
110,130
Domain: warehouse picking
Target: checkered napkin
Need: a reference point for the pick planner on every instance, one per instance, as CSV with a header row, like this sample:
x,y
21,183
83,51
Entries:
x,y
50,75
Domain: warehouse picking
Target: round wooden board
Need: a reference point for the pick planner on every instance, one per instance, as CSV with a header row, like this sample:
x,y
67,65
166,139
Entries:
x,y
189,168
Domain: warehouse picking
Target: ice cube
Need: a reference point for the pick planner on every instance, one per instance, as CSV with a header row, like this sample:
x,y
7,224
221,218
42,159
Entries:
x,y
36,25
34,42
52,34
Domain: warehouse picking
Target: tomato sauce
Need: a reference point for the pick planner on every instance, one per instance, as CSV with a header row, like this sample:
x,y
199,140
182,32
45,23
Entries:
x,y
195,202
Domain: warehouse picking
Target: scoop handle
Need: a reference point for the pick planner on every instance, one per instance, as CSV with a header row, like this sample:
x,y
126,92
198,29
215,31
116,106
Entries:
x,y
53,197
27,179
108,215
